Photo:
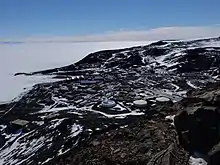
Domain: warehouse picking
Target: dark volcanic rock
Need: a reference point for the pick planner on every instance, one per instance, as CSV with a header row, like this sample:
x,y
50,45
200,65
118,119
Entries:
x,y
2,140
144,142
198,123
198,131
65,115
214,155
159,43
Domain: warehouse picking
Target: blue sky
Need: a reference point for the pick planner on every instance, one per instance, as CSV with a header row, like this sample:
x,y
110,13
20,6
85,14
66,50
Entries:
x,y
82,17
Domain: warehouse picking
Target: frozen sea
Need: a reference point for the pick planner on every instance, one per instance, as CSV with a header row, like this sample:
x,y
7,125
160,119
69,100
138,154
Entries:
x,y
29,57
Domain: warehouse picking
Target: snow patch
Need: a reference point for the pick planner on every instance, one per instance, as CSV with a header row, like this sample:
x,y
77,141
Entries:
x,y
197,161
211,44
56,122
17,147
75,130
192,85
40,123
171,118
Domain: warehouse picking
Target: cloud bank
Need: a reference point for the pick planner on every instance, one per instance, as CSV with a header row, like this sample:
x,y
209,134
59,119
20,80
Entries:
x,y
163,33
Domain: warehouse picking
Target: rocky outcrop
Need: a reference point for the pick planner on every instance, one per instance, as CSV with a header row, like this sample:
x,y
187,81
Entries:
x,y
198,123
214,155
154,141
145,142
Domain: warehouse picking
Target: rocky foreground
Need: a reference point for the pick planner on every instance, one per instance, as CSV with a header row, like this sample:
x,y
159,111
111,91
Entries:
x,y
193,138
64,122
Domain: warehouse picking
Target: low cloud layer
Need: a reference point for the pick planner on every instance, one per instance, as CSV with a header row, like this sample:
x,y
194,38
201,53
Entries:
x,y
163,33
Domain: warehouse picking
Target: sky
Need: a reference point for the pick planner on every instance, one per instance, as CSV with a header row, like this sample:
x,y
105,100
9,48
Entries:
x,y
46,18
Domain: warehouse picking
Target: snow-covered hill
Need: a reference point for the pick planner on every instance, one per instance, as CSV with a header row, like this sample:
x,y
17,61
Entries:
x,y
29,57
59,115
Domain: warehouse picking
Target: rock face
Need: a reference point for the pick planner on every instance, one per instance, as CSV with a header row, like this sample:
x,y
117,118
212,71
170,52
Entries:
x,y
198,123
64,114
214,155
146,142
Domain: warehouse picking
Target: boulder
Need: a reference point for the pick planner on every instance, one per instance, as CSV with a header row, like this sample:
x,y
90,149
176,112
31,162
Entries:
x,y
214,155
198,128
2,140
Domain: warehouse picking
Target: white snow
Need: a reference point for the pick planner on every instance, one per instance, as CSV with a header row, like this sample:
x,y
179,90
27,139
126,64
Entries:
x,y
40,123
75,130
121,116
211,44
51,109
192,85
46,161
171,118
176,86
62,151
29,57
197,161
118,107
161,59
216,77
18,146
2,127
182,93
56,122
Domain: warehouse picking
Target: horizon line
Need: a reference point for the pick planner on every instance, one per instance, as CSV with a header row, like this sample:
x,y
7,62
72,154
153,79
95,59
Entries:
x,y
155,34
